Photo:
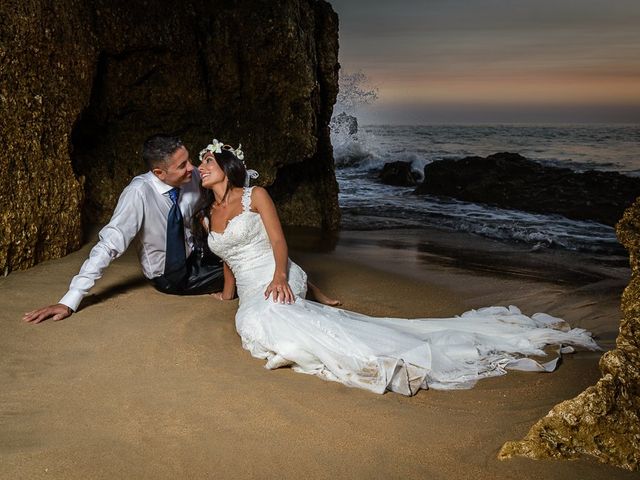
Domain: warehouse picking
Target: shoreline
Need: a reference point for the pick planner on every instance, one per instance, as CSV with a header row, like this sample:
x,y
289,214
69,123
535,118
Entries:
x,y
485,272
139,384
469,251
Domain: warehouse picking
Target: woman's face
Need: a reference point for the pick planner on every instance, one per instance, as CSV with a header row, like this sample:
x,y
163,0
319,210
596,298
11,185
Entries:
x,y
210,171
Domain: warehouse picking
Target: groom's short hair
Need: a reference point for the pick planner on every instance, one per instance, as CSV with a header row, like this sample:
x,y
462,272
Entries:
x,y
157,149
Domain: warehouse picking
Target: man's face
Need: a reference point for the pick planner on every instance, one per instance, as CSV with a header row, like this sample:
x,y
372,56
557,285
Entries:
x,y
177,170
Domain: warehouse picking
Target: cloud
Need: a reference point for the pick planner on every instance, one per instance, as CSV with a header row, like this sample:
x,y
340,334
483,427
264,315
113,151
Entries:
x,y
548,49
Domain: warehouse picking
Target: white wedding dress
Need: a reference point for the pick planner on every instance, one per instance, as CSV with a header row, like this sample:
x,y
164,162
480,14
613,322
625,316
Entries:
x,y
376,354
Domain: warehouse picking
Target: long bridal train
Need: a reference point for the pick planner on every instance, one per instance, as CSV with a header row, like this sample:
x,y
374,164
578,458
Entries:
x,y
376,354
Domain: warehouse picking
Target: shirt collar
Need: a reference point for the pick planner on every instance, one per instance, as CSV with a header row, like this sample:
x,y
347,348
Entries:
x,y
161,187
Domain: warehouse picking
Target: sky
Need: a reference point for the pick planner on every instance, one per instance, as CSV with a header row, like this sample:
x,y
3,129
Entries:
x,y
487,61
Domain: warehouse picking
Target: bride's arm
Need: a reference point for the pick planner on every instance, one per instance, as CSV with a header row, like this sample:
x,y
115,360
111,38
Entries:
x,y
279,287
229,288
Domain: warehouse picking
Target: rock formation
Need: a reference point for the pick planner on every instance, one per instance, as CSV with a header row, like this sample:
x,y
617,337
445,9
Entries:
x,y
344,123
83,82
399,174
509,180
604,420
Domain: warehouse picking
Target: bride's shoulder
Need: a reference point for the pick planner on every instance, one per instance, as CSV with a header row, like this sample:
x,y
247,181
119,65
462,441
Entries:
x,y
259,198
258,192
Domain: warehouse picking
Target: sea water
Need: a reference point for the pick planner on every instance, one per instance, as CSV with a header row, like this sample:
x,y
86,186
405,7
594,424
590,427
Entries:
x,y
368,204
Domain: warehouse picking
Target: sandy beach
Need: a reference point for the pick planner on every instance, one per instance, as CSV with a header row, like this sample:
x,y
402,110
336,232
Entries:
x,y
138,384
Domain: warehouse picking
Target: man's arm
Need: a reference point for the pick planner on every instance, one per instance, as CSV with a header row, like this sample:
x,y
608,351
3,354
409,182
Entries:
x,y
113,241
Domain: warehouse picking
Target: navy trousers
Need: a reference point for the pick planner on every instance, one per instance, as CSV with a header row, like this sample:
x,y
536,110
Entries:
x,y
203,274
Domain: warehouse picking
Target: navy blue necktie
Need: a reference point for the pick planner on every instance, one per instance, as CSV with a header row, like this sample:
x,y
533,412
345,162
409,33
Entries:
x,y
175,264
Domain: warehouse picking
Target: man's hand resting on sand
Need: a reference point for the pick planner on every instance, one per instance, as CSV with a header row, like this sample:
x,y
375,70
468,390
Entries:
x,y
57,311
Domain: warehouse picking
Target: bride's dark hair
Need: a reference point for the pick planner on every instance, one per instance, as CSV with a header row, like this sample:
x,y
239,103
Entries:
x,y
236,174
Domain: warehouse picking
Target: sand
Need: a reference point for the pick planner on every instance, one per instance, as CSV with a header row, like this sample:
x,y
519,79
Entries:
x,y
138,384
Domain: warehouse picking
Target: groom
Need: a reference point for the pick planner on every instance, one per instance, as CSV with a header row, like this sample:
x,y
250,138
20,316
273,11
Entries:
x,y
155,210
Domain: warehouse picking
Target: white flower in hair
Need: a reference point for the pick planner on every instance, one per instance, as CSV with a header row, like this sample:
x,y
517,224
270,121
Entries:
x,y
216,147
239,153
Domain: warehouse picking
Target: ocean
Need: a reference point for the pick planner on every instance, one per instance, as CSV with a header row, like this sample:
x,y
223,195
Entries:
x,y
367,204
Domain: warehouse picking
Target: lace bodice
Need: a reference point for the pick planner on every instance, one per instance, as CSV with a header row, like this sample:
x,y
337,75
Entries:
x,y
244,245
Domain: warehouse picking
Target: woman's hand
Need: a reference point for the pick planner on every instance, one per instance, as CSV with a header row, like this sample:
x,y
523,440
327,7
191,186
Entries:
x,y
222,296
280,290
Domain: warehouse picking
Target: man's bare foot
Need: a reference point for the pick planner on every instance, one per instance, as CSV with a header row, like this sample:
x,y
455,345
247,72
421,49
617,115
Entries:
x,y
321,297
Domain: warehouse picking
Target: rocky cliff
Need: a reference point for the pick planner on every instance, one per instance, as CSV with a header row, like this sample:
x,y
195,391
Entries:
x,y
604,420
83,82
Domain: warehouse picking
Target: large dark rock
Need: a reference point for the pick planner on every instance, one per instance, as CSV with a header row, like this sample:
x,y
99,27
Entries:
x,y
511,181
84,82
399,174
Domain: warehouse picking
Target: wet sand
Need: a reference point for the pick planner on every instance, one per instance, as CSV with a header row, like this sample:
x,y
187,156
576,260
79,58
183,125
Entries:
x,y
138,384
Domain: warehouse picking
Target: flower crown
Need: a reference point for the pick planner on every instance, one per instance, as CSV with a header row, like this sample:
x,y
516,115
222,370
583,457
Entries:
x,y
216,147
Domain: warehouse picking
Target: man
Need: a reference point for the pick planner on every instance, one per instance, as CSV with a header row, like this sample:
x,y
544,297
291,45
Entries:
x,y
155,210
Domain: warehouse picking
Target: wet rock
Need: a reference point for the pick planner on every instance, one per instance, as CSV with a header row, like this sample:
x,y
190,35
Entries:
x,y
509,180
602,421
399,174
84,82
344,123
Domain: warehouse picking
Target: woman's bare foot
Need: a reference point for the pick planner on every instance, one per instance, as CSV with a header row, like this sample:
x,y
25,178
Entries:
x,y
321,297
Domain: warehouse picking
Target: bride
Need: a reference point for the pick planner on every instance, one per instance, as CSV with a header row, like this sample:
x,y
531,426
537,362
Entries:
x,y
275,322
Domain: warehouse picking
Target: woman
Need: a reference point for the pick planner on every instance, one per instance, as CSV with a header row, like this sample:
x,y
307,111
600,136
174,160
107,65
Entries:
x,y
275,322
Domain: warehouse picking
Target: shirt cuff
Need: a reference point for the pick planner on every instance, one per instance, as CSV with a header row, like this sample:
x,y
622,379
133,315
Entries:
x,y
72,299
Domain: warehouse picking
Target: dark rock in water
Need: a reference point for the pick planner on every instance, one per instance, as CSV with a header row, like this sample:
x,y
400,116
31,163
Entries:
x,y
399,174
509,180
84,82
603,420
344,122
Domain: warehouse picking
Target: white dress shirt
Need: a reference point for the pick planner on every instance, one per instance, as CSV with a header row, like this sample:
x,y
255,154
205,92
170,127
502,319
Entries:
x,y
140,215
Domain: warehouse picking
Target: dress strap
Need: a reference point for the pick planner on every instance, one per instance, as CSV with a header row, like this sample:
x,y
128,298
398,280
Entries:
x,y
246,199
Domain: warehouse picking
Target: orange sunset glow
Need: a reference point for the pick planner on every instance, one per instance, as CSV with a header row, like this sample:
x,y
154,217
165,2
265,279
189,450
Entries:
x,y
491,55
